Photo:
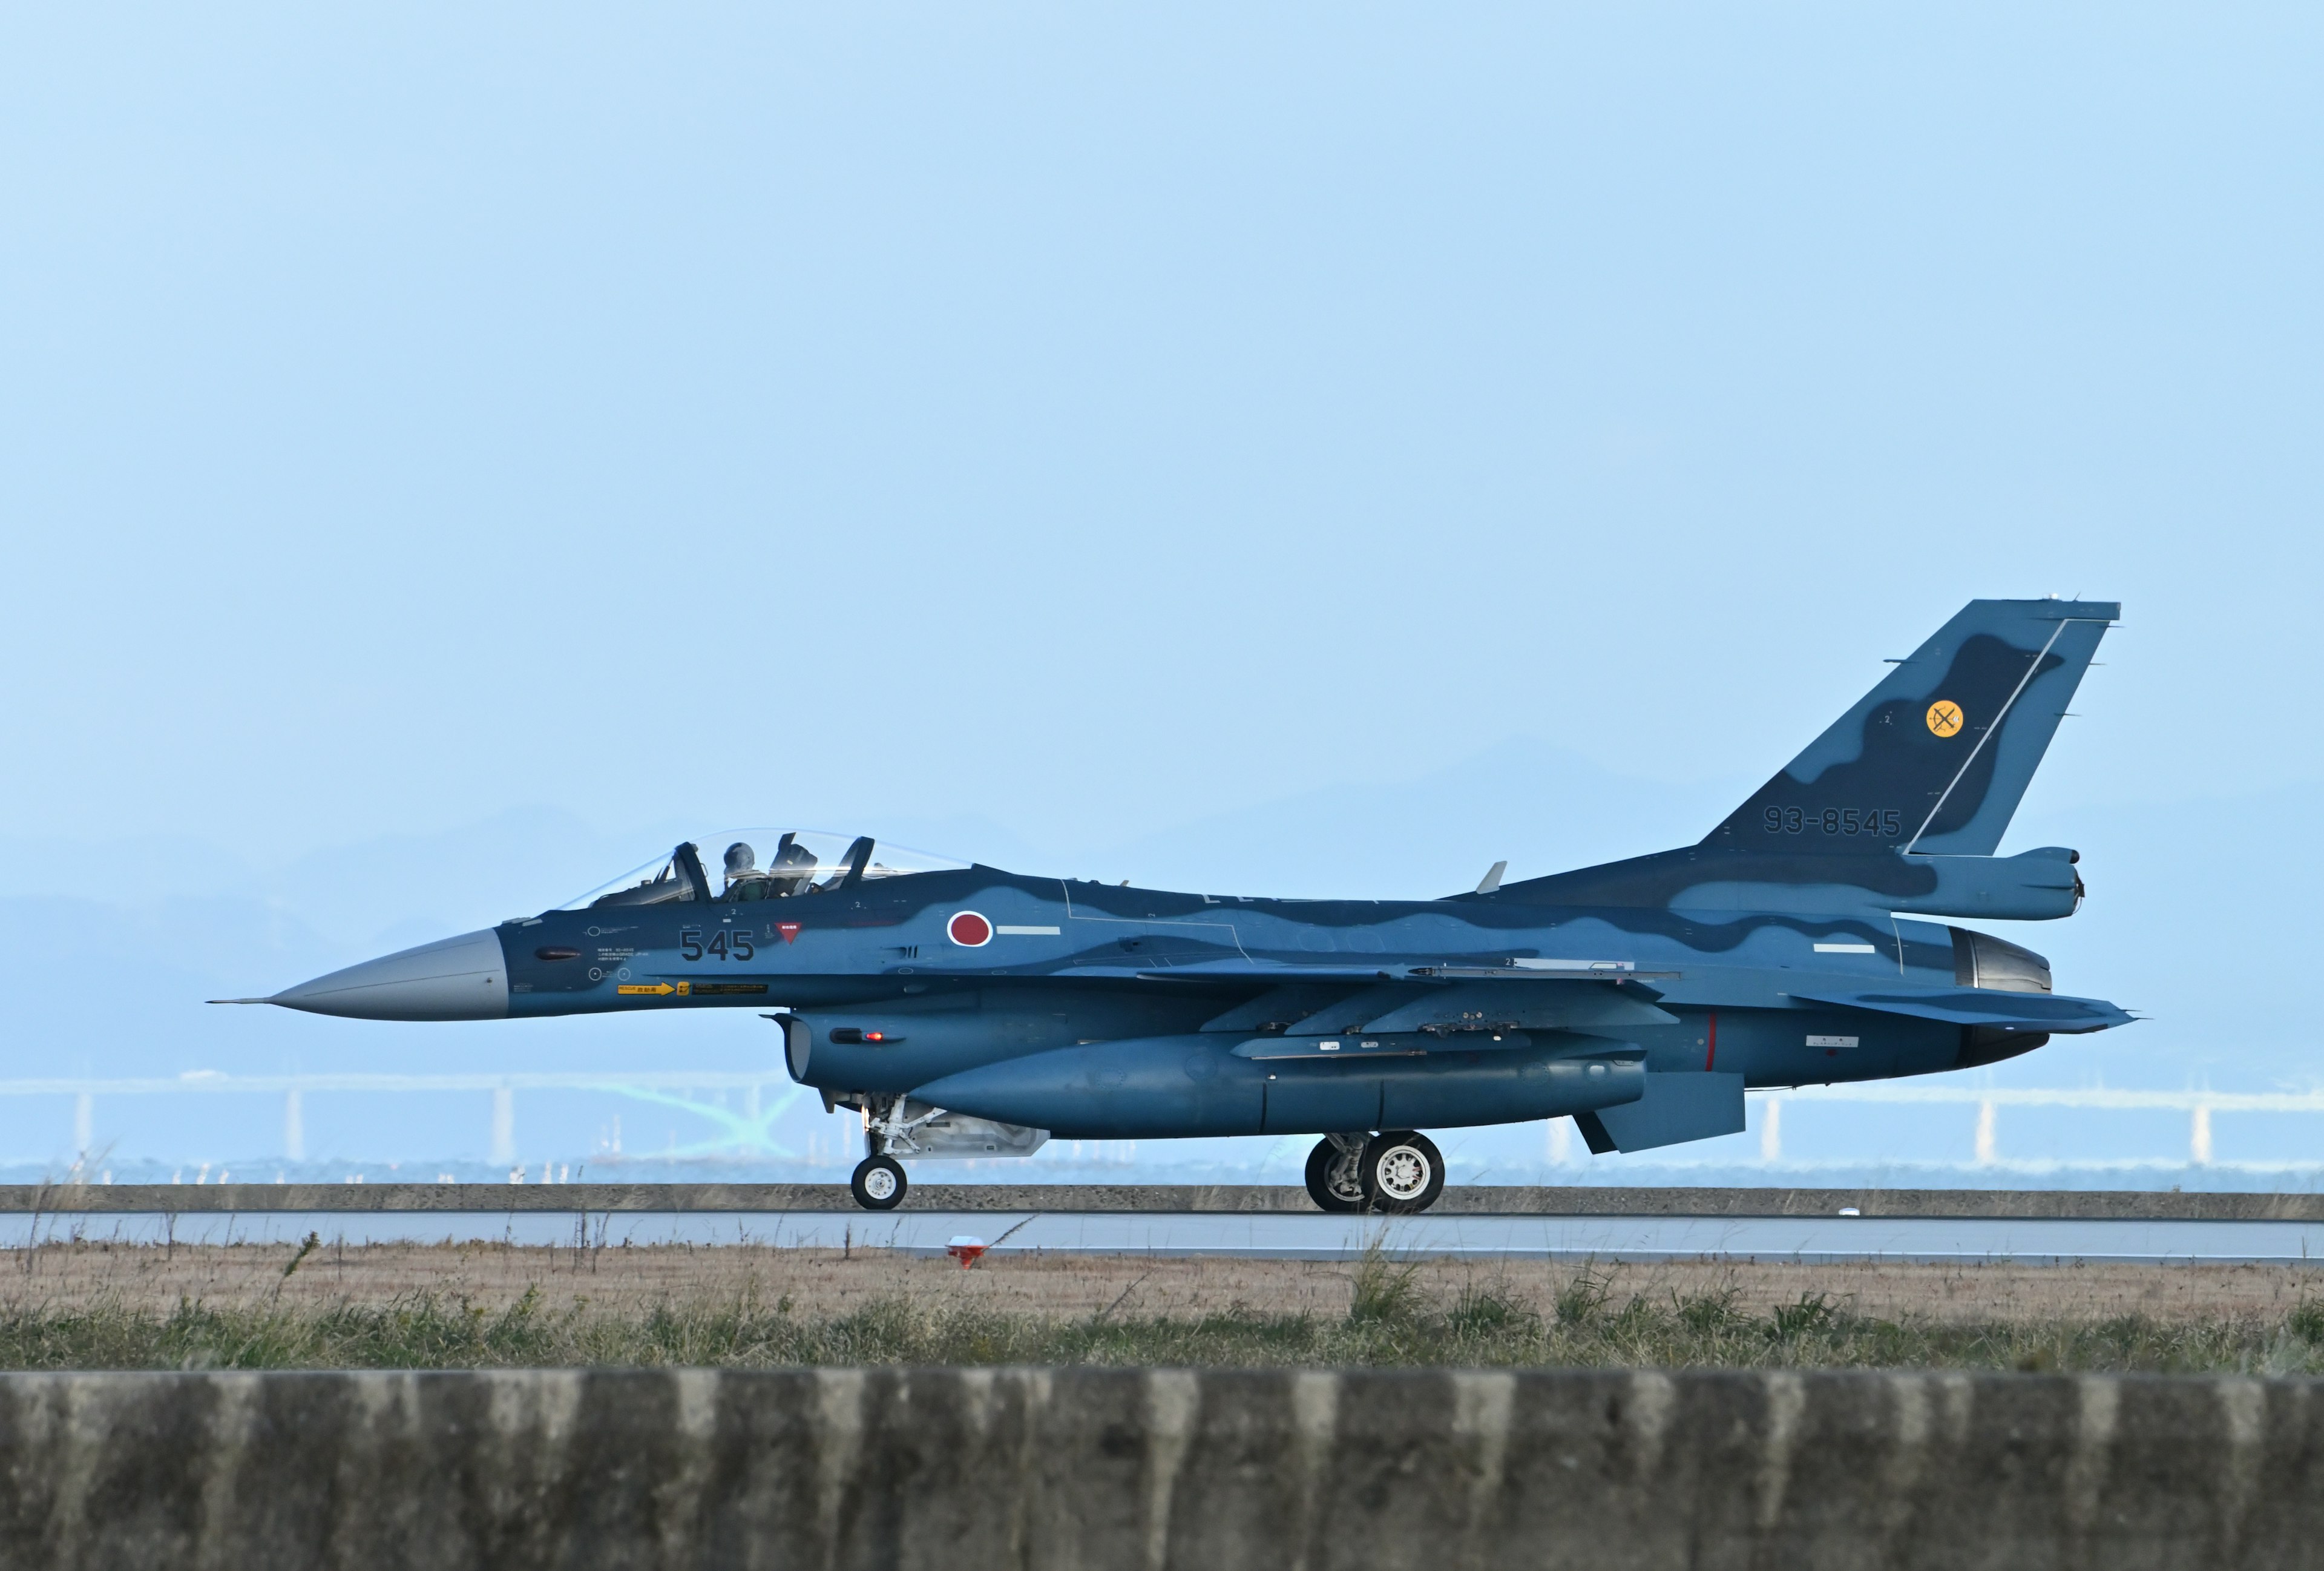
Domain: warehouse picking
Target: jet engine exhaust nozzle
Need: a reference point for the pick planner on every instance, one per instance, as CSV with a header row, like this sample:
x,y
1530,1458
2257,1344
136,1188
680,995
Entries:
x,y
462,978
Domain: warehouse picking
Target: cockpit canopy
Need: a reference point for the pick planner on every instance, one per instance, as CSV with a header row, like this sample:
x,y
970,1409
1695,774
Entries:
x,y
752,865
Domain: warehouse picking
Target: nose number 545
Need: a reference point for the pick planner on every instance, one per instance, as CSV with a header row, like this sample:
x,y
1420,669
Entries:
x,y
724,945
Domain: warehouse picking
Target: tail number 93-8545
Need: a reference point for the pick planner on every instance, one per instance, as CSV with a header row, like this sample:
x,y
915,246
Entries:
x,y
1881,823
722,945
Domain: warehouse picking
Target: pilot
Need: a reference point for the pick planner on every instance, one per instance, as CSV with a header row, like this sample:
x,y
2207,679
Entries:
x,y
744,879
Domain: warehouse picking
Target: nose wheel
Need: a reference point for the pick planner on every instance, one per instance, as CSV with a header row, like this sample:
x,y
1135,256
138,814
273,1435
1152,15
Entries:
x,y
878,1183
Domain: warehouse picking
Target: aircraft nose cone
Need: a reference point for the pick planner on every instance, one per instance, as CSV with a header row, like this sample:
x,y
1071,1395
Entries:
x,y
462,978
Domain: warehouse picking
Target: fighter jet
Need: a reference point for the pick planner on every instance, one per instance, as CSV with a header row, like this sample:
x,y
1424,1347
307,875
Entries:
x,y
956,1010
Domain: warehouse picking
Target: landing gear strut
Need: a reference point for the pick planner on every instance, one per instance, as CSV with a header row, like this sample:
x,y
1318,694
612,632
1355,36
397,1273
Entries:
x,y
1332,1173
888,1127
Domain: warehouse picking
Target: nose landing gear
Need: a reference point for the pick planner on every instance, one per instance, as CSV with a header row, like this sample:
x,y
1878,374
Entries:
x,y
889,1123
878,1183
1397,1173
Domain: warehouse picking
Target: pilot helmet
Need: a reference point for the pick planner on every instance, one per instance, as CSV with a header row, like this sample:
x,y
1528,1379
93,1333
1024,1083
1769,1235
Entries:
x,y
740,859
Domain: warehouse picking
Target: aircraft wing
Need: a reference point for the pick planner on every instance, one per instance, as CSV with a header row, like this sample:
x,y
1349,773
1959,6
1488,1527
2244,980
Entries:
x,y
1520,970
2025,1011
1438,1016
1227,971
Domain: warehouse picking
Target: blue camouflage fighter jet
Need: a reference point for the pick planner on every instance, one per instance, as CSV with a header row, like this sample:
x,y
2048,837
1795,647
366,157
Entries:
x,y
963,1010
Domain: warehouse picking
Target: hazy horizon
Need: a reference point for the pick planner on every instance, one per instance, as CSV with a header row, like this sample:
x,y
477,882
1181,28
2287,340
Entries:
x,y
1261,448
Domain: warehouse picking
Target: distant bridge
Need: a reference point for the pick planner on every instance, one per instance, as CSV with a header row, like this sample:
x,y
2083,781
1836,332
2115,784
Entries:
x,y
2197,1104
748,1128
660,1085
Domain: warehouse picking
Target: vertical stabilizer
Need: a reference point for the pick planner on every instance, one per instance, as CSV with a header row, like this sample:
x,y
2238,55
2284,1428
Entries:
x,y
1937,757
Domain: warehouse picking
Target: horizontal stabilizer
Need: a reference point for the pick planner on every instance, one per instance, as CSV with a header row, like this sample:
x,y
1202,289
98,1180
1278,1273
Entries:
x,y
2031,1011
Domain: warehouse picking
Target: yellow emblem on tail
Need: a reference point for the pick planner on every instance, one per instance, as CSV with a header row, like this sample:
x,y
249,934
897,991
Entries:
x,y
1944,717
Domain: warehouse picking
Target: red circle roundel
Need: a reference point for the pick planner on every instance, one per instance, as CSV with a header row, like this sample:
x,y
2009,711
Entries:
x,y
969,931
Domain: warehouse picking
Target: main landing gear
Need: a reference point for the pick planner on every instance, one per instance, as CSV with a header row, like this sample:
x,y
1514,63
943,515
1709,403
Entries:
x,y
1332,1169
1396,1172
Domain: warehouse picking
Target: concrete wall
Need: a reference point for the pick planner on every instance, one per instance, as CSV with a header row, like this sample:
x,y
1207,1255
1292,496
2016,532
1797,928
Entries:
x,y
1086,1470
1478,1199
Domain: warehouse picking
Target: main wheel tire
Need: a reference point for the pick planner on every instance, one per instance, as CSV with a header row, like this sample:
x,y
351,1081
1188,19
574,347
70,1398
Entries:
x,y
1333,1178
1403,1172
878,1183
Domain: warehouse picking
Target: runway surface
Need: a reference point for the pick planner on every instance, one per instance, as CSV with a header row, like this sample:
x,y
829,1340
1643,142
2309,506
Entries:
x,y
1263,1235
1240,1199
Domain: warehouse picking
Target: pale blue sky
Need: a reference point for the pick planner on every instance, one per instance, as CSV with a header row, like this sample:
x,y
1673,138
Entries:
x,y
1073,414
1043,428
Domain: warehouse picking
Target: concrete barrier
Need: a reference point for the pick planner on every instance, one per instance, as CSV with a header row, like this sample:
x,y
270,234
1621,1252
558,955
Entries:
x,y
1469,1200
1087,1470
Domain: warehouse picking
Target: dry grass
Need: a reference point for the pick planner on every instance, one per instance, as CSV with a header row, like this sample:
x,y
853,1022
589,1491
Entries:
x,y
97,1306
823,1282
